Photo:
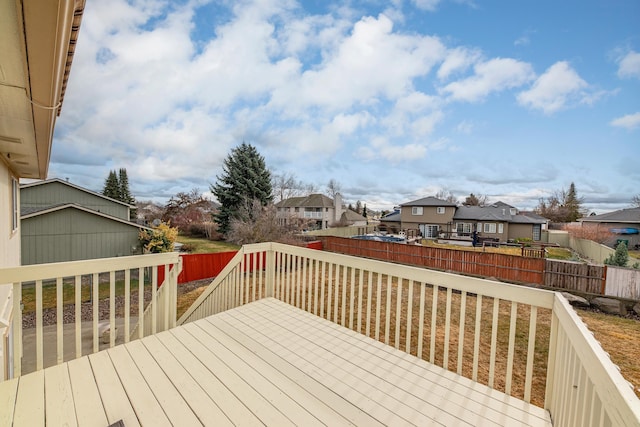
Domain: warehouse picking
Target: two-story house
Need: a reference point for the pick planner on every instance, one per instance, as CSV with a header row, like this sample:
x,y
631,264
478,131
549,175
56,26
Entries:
x,y
317,210
434,217
61,221
429,215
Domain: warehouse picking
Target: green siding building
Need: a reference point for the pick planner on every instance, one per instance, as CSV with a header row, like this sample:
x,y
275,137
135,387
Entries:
x,y
63,222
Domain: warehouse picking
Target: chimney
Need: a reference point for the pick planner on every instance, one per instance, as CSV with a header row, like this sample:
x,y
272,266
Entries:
x,y
337,207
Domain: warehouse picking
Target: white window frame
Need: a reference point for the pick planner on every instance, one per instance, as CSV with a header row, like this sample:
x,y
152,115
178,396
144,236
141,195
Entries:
x,y
500,228
441,210
15,208
417,210
490,227
463,227
431,231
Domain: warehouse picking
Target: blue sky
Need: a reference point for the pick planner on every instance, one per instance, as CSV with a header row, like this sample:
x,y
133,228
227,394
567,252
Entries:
x,y
395,100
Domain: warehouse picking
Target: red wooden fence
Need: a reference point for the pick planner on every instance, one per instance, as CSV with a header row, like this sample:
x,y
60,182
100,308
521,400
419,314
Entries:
x,y
504,267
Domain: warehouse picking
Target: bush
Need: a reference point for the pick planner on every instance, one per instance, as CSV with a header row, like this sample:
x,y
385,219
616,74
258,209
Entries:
x,y
620,257
159,239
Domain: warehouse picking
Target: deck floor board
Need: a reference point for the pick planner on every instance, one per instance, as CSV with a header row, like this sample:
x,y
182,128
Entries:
x,y
265,363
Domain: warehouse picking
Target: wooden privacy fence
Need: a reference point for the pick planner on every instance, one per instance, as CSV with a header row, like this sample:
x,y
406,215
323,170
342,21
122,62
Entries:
x,y
503,267
575,276
623,283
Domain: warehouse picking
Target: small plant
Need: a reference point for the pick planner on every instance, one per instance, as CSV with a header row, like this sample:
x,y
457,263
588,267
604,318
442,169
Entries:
x,y
525,241
620,257
159,239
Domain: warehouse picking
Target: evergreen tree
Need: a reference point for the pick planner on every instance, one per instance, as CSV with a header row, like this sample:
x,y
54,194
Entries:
x,y
364,210
125,193
245,178
111,186
573,204
620,257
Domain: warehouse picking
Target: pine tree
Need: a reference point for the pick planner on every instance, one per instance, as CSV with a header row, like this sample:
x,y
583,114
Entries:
x,y
620,257
111,186
124,192
573,204
364,210
245,178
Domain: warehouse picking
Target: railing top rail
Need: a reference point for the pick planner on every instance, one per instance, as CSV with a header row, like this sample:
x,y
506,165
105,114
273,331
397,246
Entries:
x,y
615,392
520,294
27,273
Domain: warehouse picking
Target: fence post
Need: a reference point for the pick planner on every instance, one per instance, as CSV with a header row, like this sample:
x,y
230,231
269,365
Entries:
x,y
603,287
271,271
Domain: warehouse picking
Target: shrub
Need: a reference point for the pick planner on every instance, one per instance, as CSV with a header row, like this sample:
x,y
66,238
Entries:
x,y
159,239
620,257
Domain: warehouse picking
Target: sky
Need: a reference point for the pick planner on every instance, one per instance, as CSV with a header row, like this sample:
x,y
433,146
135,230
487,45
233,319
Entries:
x,y
395,100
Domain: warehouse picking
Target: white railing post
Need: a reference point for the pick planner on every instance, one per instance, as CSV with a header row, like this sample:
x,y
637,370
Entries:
x,y
271,271
17,329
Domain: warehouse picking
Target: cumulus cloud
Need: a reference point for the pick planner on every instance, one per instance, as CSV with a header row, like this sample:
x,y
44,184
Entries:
x,y
629,121
457,60
554,89
629,65
494,75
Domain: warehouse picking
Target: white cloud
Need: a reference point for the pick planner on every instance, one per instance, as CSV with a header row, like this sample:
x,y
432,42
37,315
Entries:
x,y
554,89
629,121
457,60
430,5
629,65
490,76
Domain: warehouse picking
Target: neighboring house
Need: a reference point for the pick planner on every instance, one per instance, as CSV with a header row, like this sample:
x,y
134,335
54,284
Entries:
x,y
317,209
37,41
428,215
61,221
352,218
497,221
624,224
434,217
390,222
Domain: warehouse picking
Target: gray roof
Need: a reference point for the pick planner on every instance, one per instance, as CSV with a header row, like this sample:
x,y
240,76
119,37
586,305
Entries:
x,y
631,215
428,201
350,215
392,217
496,212
310,201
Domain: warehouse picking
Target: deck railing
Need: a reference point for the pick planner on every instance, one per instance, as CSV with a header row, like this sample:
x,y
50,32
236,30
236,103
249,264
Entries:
x,y
526,342
71,284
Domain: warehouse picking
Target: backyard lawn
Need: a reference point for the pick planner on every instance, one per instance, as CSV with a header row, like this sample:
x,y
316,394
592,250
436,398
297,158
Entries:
x,y
198,245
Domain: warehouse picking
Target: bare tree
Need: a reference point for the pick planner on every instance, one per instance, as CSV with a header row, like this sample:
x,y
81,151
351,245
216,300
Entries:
x,y
333,188
256,223
287,185
473,200
447,196
635,201
561,206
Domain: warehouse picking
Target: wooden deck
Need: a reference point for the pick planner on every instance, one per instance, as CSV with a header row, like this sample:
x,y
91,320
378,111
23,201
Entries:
x,y
263,363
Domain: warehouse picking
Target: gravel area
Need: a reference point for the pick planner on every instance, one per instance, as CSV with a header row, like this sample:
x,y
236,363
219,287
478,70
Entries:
x,y
49,316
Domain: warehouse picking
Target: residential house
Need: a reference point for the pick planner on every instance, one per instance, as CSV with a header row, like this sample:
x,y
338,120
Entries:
x,y
37,41
390,222
498,221
624,224
429,215
316,209
434,218
61,221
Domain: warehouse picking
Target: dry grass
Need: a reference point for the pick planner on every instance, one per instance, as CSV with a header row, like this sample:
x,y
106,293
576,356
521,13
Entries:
x,y
620,338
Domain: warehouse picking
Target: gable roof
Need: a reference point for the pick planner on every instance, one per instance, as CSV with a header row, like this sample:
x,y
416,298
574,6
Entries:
x,y
391,217
310,201
428,201
350,215
498,211
631,215
32,213
77,187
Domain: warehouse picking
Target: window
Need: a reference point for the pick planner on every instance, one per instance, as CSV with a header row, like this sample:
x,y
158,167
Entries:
x,y
440,209
429,231
536,231
489,227
416,210
500,228
14,204
463,228
297,209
